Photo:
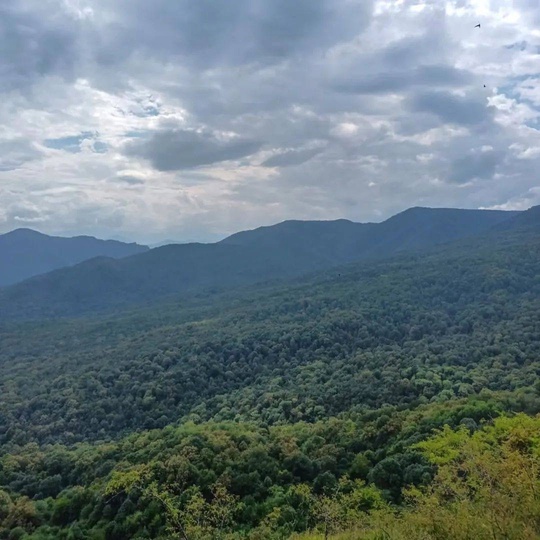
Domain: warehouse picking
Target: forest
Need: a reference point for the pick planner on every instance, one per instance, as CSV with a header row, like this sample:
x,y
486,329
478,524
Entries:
x,y
387,399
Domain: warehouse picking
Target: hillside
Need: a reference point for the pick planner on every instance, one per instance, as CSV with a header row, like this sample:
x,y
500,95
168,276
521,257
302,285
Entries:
x,y
369,334
280,409
268,411
283,251
342,240
25,253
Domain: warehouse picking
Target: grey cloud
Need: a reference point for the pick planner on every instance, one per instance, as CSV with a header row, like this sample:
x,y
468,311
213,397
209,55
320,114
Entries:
x,y
520,46
220,32
25,214
531,7
395,80
99,147
36,39
14,153
127,179
414,124
421,60
177,149
475,165
451,108
69,213
291,157
410,50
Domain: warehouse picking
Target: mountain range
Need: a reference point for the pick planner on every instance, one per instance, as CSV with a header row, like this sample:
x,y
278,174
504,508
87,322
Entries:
x,y
284,389
25,253
287,250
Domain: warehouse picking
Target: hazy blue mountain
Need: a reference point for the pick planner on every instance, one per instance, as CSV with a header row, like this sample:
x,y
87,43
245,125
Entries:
x,y
345,241
286,250
25,253
528,220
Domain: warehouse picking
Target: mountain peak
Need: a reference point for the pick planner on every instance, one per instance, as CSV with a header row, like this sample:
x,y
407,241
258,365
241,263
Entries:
x,y
23,232
25,253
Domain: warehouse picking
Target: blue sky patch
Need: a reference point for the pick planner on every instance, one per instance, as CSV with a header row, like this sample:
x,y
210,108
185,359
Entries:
x,y
100,147
71,144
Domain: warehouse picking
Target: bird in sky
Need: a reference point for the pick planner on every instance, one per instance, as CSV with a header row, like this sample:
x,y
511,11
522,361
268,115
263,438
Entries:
x,y
478,26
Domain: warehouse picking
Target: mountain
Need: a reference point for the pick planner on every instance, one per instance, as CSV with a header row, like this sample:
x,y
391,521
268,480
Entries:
x,y
457,319
25,253
165,243
283,251
328,243
522,221
267,411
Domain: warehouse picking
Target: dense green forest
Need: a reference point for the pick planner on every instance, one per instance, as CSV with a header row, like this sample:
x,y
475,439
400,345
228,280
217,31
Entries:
x,y
306,408
241,480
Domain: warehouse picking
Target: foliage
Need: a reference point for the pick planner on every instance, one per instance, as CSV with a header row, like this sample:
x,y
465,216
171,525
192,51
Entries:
x,y
487,487
280,410
401,333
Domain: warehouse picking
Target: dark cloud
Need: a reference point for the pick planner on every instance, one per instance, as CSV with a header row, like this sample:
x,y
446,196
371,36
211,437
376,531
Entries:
x,y
423,59
432,76
14,153
210,33
478,164
291,157
451,108
176,149
36,39
429,45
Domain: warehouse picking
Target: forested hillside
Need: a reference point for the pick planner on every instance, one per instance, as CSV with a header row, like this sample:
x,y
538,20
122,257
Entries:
x,y
301,408
25,253
283,251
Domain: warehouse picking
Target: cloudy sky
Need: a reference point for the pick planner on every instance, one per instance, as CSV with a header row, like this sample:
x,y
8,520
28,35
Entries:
x,y
190,119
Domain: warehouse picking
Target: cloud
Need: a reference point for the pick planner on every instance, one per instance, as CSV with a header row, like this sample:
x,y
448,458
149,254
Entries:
x,y
177,119
27,214
210,33
392,81
14,153
71,143
177,149
476,165
128,179
291,157
37,39
450,108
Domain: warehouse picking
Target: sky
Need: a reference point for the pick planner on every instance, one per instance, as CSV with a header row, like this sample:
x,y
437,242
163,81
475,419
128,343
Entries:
x,y
190,120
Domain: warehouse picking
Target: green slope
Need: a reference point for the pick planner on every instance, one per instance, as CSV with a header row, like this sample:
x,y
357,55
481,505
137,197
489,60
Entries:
x,y
25,253
317,395
400,332
280,252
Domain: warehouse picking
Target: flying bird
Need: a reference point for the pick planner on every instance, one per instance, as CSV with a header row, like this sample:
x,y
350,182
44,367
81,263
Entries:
x,y
478,26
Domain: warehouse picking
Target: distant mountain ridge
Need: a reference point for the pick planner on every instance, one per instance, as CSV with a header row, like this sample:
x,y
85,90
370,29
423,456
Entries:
x,y
412,229
289,249
25,253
